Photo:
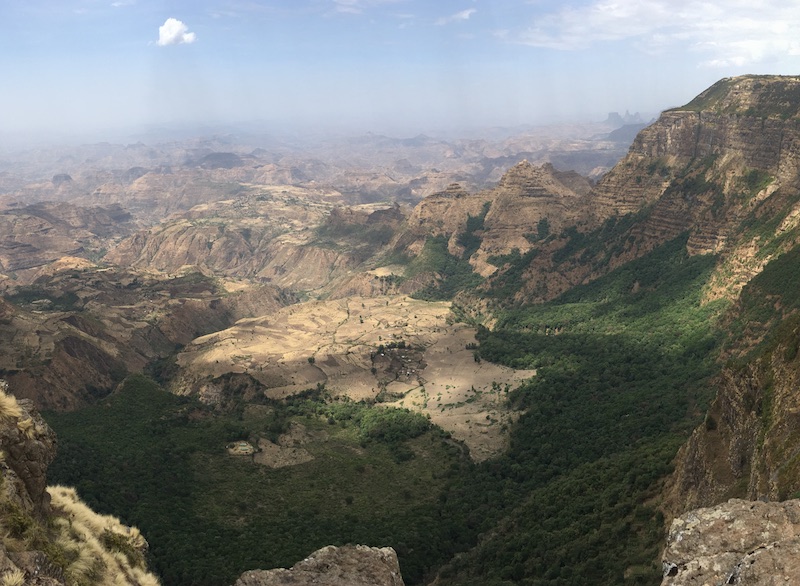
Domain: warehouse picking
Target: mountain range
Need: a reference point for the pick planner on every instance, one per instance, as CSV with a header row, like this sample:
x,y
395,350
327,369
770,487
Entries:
x,y
591,355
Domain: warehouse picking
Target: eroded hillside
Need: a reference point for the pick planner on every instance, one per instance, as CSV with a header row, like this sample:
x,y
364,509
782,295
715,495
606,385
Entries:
x,y
571,335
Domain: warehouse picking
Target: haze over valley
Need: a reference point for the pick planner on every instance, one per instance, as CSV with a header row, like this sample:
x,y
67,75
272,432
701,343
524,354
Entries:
x,y
391,292
462,331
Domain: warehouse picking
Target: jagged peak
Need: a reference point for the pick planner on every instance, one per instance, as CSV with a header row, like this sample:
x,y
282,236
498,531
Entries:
x,y
526,179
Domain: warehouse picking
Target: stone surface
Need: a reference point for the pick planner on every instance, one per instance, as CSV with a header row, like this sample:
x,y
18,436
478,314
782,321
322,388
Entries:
x,y
29,446
746,543
349,565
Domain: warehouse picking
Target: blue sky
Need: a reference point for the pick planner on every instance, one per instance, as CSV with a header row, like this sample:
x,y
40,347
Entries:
x,y
400,66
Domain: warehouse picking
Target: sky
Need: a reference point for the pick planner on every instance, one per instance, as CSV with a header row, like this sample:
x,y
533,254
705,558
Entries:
x,y
397,66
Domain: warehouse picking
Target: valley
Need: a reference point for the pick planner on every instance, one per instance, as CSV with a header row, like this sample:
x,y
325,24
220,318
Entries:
x,y
508,369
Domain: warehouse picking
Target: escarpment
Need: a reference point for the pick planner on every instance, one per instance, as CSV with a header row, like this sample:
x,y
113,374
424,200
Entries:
x,y
706,165
723,170
749,444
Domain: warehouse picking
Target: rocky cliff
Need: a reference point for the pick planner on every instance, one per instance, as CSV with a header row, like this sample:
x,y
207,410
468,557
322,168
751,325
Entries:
x,y
749,444
747,543
722,169
350,565
49,536
730,154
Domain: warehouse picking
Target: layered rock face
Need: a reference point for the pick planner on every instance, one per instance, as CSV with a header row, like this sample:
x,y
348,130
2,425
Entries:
x,y
525,196
737,119
692,165
349,565
746,543
749,445
716,168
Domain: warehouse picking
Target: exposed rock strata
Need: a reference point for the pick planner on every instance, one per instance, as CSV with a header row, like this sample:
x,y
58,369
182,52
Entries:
x,y
726,161
746,543
525,195
349,565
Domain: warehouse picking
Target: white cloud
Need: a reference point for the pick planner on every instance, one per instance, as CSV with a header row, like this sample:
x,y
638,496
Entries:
x,y
458,16
724,32
348,6
120,3
174,32
358,6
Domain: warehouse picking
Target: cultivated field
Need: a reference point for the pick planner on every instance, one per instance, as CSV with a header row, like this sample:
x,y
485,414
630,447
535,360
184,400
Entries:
x,y
396,350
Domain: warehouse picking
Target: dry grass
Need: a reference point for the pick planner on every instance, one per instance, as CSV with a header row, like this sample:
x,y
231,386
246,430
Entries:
x,y
9,408
440,377
14,577
102,550
92,549
11,412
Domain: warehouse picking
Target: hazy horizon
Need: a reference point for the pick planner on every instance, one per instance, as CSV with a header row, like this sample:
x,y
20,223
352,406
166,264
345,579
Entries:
x,y
98,68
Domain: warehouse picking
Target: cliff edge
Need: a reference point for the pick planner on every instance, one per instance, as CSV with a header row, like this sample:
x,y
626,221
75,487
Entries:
x,y
49,537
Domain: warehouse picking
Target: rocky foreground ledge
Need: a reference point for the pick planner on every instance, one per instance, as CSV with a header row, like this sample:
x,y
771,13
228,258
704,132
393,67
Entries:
x,y
349,565
746,543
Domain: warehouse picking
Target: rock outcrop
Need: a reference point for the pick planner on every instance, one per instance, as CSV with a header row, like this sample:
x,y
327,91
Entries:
x,y
746,543
29,446
349,565
510,213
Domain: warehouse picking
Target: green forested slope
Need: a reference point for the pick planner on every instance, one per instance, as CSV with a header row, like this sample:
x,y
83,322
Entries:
x,y
622,377
159,461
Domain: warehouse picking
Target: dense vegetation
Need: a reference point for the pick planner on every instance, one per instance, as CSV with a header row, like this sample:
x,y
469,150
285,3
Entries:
x,y
159,461
453,274
622,364
621,368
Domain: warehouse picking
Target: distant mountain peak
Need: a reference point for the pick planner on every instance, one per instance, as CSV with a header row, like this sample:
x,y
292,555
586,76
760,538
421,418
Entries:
x,y
616,120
